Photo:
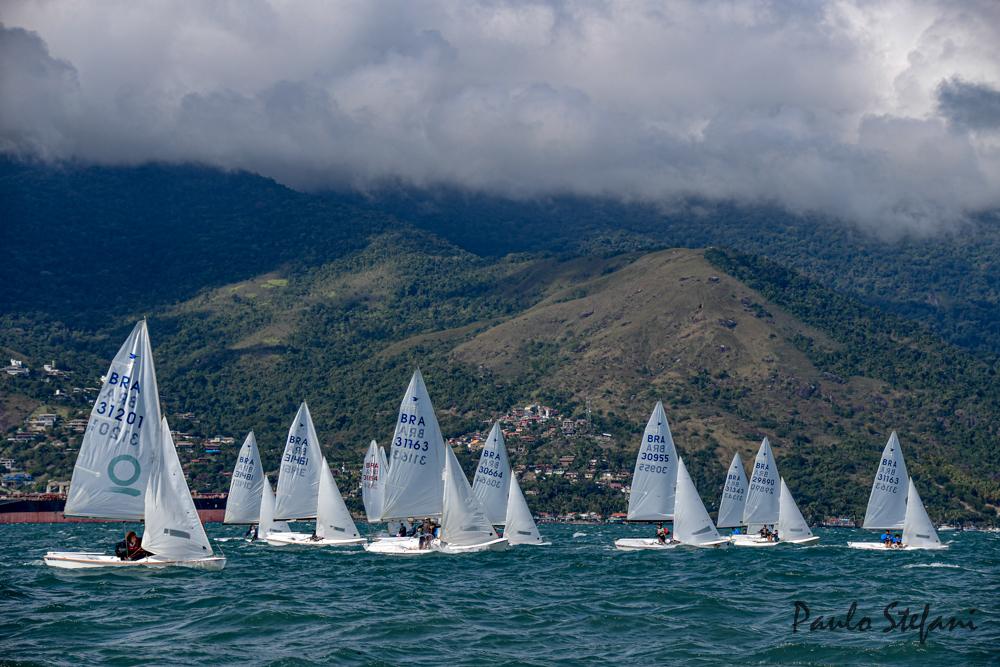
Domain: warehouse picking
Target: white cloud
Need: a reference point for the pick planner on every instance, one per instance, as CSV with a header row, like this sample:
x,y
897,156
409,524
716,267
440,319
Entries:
x,y
854,109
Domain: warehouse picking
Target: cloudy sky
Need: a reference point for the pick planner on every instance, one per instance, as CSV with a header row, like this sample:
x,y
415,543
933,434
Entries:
x,y
885,114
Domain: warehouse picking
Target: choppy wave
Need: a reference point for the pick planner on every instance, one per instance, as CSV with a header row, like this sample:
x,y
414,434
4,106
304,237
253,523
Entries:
x,y
578,601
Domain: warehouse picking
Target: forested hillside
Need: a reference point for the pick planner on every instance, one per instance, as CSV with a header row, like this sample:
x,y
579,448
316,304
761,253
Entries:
x,y
259,297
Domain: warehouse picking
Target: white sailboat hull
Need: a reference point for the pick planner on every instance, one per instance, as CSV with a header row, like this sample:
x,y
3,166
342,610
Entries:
x,y
306,540
86,560
499,544
805,541
714,544
644,544
751,541
878,546
397,546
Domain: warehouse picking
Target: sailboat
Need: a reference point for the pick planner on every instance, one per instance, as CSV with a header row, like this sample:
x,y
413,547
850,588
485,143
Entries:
x,y
246,485
123,449
692,525
918,530
306,490
792,527
492,481
519,525
734,495
887,501
465,527
174,534
373,482
267,523
654,480
414,486
763,500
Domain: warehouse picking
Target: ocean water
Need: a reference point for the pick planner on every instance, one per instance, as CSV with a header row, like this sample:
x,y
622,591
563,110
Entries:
x,y
577,602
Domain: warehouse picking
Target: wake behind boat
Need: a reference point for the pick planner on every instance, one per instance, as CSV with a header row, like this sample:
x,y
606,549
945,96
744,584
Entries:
x,y
128,470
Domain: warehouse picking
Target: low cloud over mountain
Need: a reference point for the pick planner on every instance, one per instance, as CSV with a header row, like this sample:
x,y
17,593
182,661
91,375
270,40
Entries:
x,y
885,114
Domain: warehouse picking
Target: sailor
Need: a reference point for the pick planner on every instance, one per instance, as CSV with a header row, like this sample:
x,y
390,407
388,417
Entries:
x,y
131,548
897,541
661,535
402,530
251,533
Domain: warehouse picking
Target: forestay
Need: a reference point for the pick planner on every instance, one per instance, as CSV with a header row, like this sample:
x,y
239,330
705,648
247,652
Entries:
x,y
655,474
520,526
762,492
463,519
301,465
267,522
373,477
333,520
918,530
245,489
414,486
122,437
492,481
734,495
791,524
692,525
887,502
173,527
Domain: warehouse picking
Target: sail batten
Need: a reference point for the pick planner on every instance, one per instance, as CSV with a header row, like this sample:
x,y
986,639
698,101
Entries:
x,y
493,480
655,475
121,442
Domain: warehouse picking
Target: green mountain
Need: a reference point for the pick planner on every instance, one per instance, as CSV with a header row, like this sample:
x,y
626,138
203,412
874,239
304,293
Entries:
x,y
259,297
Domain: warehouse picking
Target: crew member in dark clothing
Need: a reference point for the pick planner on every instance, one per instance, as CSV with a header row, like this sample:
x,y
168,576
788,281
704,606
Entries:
x,y
131,548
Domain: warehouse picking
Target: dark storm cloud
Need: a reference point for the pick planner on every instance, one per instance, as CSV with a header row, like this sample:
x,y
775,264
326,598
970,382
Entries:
x,y
859,110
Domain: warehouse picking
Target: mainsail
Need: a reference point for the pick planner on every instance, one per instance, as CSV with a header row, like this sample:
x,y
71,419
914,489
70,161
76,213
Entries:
x,y
655,474
692,525
414,486
373,482
333,520
762,494
301,466
245,489
267,522
520,526
791,524
918,530
173,527
121,442
734,495
463,519
492,481
887,502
